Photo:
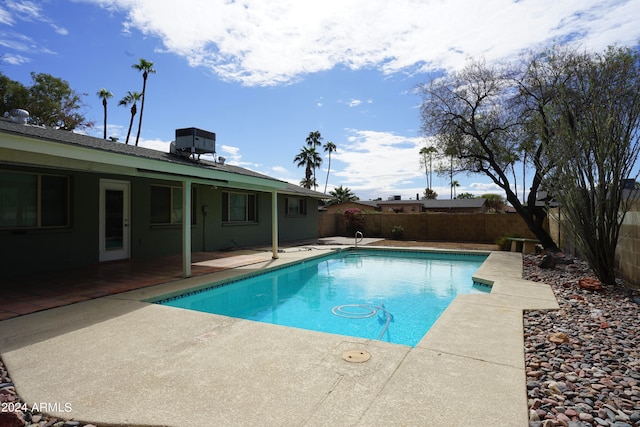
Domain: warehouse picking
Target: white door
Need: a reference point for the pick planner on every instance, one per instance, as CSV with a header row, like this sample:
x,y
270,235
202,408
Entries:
x,y
114,220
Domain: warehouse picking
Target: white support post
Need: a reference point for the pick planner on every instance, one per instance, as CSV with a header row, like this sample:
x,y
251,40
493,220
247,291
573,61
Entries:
x,y
274,224
186,228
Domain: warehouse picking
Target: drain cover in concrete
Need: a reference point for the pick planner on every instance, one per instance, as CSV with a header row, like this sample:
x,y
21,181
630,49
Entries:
x,y
356,356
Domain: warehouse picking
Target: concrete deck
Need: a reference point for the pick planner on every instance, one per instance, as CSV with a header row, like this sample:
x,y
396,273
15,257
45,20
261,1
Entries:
x,y
119,360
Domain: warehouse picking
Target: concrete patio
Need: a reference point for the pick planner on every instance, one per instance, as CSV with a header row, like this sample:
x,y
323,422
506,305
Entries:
x,y
118,360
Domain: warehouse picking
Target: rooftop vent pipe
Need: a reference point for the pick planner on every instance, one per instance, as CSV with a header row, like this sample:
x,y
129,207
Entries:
x,y
19,116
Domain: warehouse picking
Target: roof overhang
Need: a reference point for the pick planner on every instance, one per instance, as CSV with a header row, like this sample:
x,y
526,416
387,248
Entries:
x,y
25,150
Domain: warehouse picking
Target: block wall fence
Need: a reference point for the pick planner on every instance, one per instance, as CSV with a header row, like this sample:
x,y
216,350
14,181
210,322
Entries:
x,y
487,228
480,228
627,251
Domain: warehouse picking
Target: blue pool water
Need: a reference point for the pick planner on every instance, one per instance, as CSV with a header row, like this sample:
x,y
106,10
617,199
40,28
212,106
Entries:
x,y
394,296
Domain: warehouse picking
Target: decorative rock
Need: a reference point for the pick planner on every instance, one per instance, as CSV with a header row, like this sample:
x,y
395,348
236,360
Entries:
x,y
558,337
12,419
548,261
583,416
590,284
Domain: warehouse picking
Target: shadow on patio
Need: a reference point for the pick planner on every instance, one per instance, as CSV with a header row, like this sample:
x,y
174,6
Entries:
x,y
35,292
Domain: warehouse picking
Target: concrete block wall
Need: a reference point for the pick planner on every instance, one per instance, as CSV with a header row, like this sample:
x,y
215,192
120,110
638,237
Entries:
x,y
627,251
481,228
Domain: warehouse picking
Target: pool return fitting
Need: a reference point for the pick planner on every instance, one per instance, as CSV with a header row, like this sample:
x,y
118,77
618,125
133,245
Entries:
x,y
370,310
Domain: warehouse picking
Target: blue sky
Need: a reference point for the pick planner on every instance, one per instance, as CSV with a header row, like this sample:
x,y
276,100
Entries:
x,y
262,75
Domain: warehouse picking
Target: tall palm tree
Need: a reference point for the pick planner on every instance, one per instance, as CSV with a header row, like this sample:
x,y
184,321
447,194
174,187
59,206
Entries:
x,y
424,152
147,68
329,147
131,98
104,95
310,159
314,140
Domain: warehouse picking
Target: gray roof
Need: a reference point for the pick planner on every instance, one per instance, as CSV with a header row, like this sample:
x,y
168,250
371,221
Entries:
x,y
72,138
477,202
99,144
301,191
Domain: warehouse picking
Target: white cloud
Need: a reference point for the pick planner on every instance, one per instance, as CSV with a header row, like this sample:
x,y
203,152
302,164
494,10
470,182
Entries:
x,y
278,42
25,10
154,144
12,59
354,102
5,17
478,188
374,163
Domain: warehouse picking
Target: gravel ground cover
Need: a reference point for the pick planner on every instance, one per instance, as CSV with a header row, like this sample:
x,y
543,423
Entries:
x,y
582,361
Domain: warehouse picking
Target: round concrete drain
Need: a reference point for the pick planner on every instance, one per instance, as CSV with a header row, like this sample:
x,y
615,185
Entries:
x,y
356,356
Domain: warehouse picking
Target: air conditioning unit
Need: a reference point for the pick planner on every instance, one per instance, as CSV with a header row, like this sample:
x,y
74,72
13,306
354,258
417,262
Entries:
x,y
195,141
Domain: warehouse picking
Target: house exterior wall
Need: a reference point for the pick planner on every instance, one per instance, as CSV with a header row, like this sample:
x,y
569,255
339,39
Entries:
x,y
34,250
39,250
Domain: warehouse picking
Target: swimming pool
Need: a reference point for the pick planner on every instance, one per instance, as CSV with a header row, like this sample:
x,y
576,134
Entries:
x,y
394,296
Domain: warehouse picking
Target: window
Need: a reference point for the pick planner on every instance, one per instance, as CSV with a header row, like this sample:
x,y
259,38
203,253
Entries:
x,y
239,207
295,206
166,205
29,200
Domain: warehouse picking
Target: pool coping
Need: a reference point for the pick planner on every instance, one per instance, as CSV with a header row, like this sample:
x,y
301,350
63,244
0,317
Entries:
x,y
120,360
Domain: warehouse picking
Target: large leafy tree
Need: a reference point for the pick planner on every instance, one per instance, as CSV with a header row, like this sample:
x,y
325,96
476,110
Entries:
x,y
104,94
49,100
13,94
146,67
329,147
469,114
592,123
131,98
429,194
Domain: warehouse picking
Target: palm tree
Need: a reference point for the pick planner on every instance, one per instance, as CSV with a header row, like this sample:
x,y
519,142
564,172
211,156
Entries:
x,y
147,68
424,152
342,195
314,141
104,95
310,159
131,98
454,184
329,147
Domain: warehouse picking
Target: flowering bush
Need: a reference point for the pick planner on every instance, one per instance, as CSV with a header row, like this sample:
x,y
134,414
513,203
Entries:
x,y
353,220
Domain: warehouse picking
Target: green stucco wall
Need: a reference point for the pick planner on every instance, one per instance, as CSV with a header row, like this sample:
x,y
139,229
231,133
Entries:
x,y
40,250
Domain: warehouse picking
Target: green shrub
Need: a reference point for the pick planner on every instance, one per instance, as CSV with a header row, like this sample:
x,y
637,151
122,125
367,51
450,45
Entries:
x,y
504,243
397,232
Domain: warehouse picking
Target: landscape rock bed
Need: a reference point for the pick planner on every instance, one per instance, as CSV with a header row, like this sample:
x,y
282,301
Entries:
x,y
582,361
